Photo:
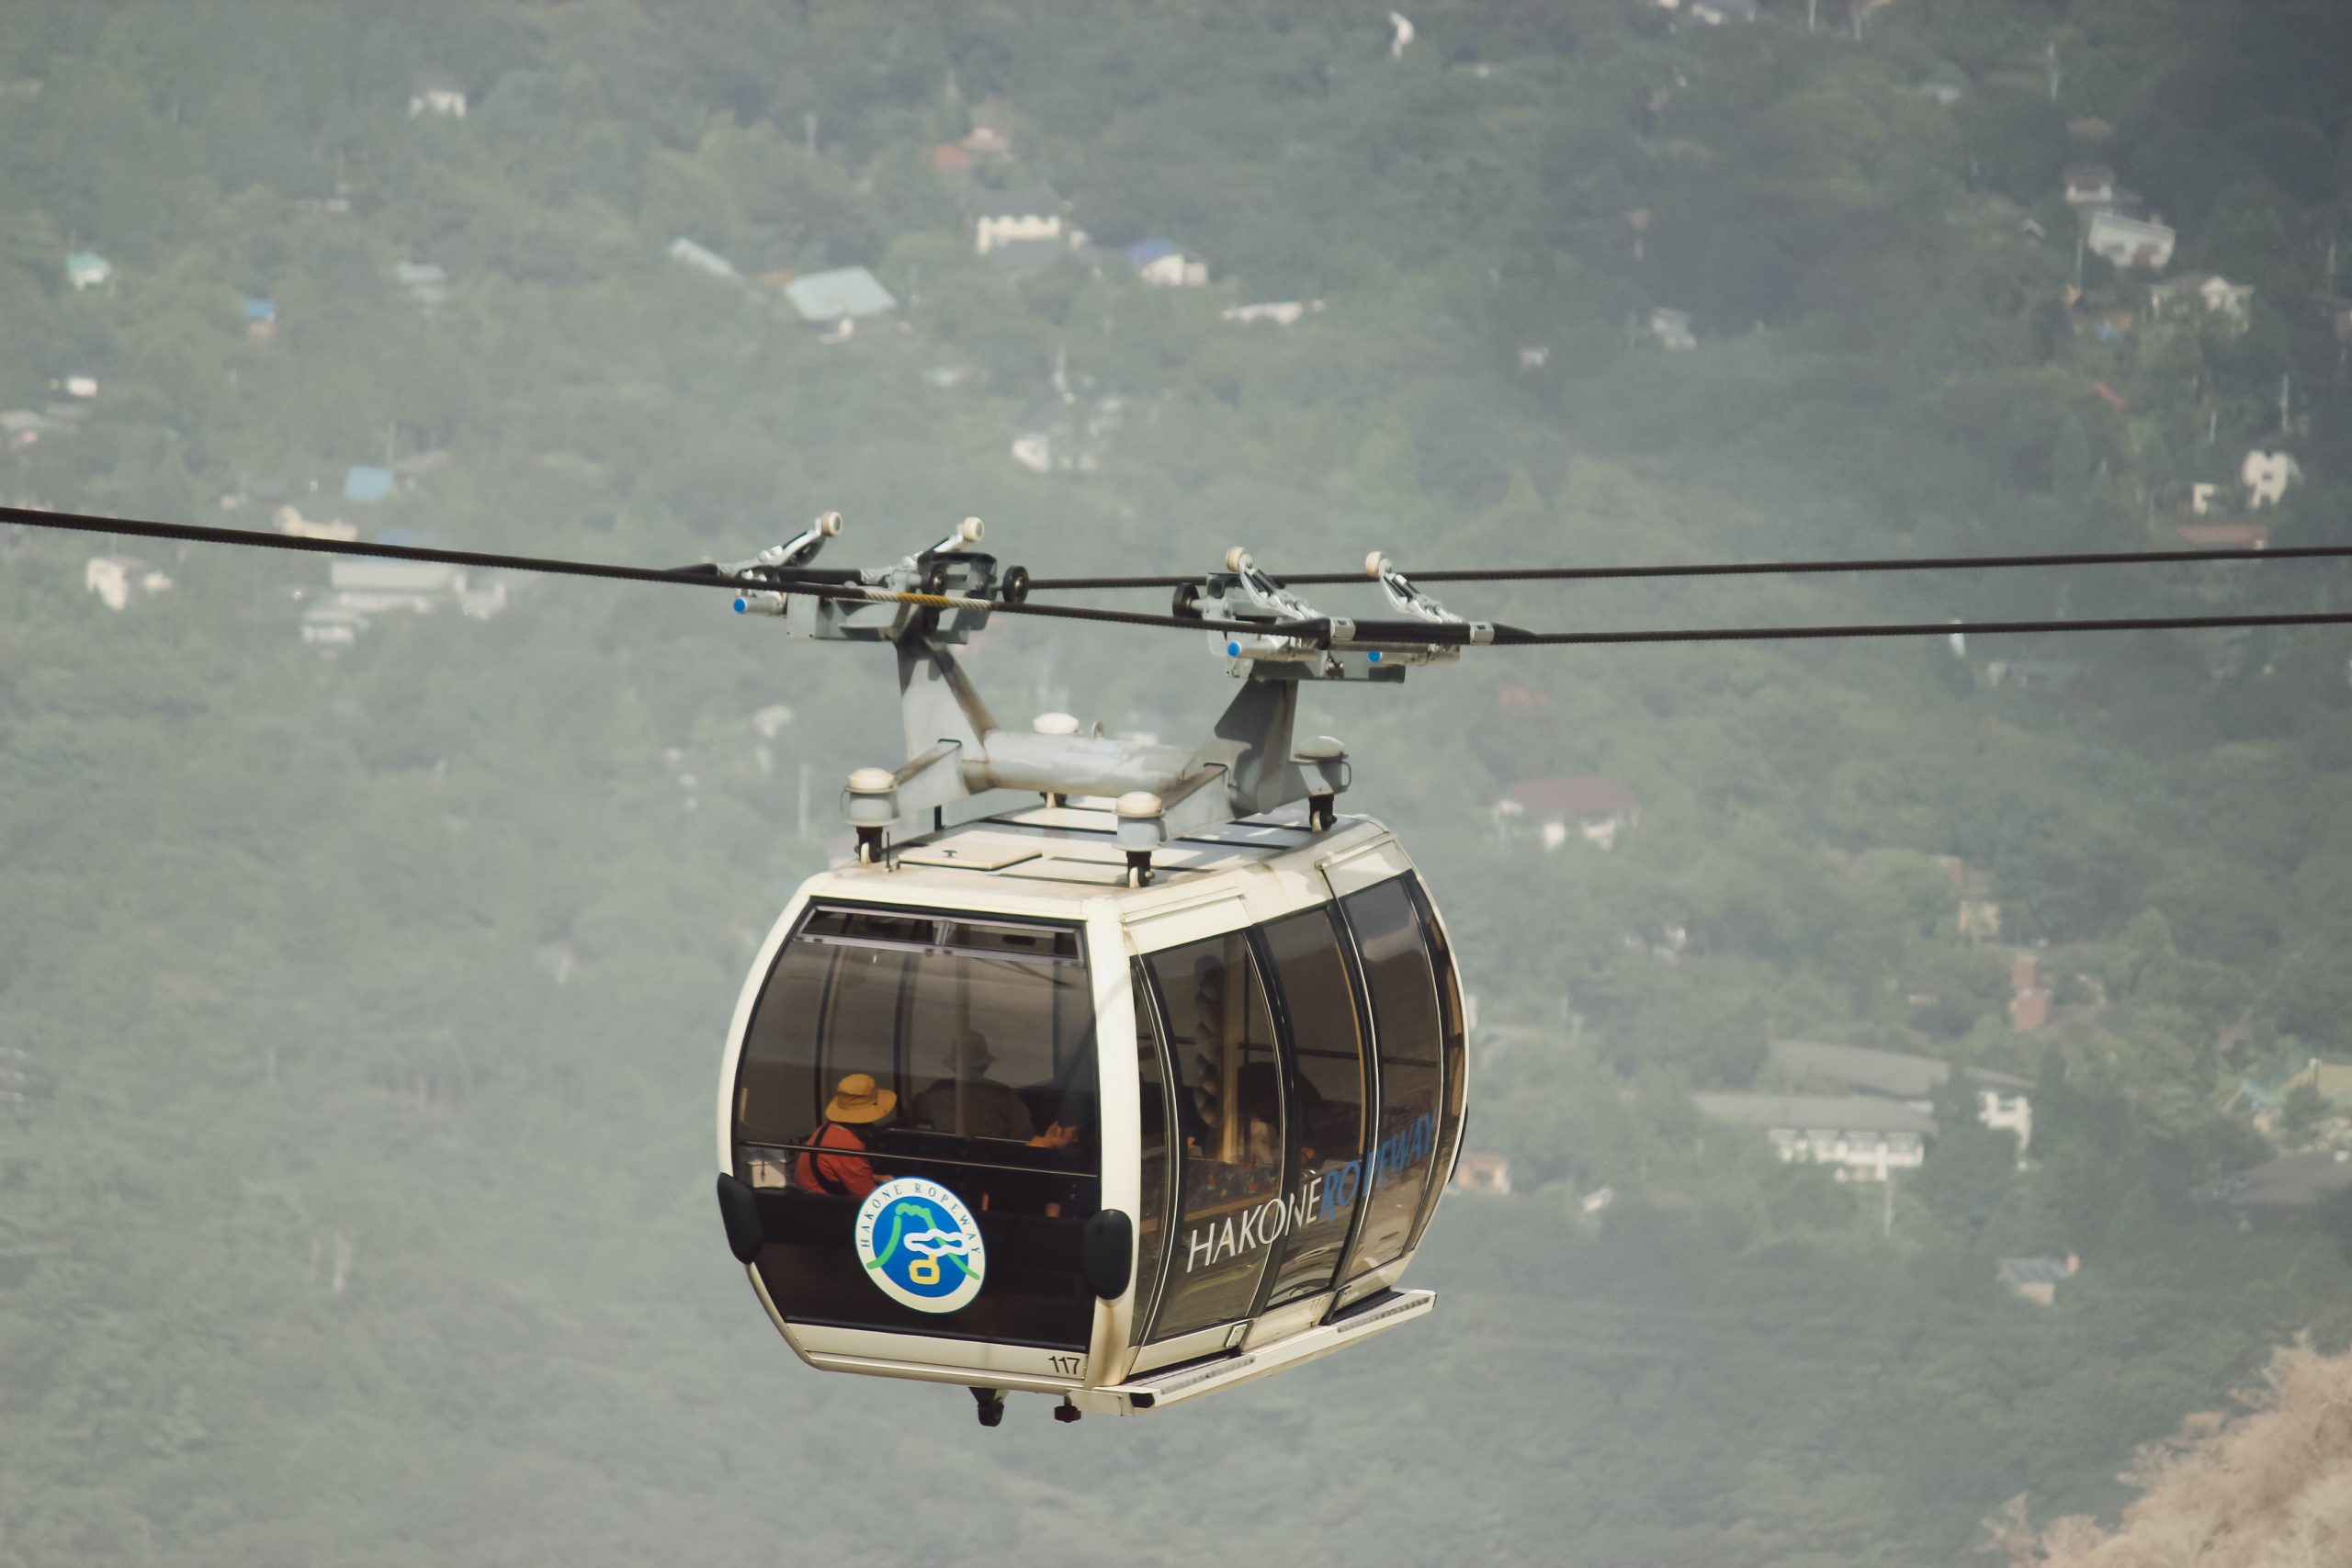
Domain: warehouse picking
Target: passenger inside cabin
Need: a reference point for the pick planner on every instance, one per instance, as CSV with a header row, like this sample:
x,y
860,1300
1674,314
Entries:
x,y
971,1104
837,1163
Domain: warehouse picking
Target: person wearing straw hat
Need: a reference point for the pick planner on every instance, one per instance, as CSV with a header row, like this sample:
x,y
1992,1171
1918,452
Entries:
x,y
837,1163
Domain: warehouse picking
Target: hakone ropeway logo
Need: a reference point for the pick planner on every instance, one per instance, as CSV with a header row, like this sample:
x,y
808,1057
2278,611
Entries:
x,y
920,1245
1320,1199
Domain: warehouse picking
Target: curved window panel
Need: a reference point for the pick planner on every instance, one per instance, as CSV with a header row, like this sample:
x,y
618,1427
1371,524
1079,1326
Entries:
x,y
1319,1006
1151,1221
978,1039
1407,1035
1228,1106
1456,1057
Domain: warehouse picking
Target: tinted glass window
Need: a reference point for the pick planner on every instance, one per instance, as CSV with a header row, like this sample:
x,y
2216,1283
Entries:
x,y
887,1044
1406,1032
1318,1005
1229,1115
1457,1067
1151,1223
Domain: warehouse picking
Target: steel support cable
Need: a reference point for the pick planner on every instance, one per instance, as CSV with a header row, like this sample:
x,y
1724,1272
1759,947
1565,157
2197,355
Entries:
x,y
1382,633
1740,569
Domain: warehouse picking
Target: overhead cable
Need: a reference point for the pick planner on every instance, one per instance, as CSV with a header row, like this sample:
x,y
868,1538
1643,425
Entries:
x,y
1743,569
1320,633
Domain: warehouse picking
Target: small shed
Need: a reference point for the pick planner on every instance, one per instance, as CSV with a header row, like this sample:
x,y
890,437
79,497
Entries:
x,y
87,269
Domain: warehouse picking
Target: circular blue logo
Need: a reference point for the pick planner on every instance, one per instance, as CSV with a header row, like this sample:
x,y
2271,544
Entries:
x,y
920,1245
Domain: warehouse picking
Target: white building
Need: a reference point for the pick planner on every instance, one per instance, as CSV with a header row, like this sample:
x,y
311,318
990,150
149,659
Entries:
x,y
1672,328
1165,264
370,587
1576,806
2266,476
1281,312
2002,1100
331,627
437,92
2130,241
1864,1137
1009,217
2207,291
118,580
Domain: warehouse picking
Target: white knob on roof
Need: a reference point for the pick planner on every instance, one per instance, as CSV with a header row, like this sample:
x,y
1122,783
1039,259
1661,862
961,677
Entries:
x,y
1055,724
1137,803
970,530
1234,558
1322,748
873,781
829,524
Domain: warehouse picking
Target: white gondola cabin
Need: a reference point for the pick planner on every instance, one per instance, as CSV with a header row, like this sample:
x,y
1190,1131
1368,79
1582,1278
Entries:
x,y
1125,1102
1194,1130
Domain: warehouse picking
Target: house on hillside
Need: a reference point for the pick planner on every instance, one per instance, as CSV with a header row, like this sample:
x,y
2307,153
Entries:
x,y
700,258
288,520
2267,476
1010,216
1583,805
2029,1001
1168,264
2003,1101
1979,915
1672,328
331,626
87,269
1715,13
368,585
2037,1279
1281,312
261,318
2210,292
24,427
118,580
2130,241
838,298
426,282
1864,1137
2090,185
437,93
1490,1173
2283,1186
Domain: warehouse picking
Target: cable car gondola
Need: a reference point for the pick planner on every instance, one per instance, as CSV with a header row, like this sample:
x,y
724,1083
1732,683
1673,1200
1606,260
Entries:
x,y
1129,1096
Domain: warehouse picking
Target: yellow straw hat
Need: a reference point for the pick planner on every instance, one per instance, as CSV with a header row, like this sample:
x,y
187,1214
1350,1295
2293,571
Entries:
x,y
859,1100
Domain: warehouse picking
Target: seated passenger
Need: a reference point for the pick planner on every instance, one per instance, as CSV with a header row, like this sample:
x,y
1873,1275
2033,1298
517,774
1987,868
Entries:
x,y
842,1168
975,1105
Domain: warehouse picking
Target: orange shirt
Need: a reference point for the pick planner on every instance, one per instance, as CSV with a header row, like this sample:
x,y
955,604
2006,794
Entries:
x,y
848,1174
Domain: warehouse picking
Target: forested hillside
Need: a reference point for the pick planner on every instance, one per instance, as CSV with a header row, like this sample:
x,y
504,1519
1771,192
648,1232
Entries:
x,y
363,971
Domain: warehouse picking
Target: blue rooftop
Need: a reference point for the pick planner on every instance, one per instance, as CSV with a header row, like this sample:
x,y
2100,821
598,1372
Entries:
x,y
366,484
261,310
1143,253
